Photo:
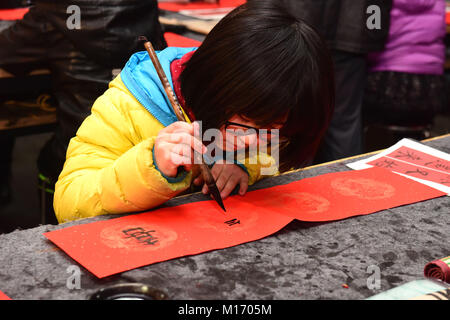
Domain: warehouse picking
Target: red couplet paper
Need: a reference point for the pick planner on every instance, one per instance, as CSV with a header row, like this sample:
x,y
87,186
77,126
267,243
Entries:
x,y
341,195
117,245
13,14
413,170
175,40
416,164
178,6
422,159
4,296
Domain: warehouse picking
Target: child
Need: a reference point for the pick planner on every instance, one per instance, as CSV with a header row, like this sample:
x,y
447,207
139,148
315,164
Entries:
x,y
406,84
259,68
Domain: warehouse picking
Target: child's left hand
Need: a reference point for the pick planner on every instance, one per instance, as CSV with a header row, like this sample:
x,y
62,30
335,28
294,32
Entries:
x,y
227,176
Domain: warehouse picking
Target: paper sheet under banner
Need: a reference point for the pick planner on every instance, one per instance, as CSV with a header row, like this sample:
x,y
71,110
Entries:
x,y
121,244
444,294
409,290
413,160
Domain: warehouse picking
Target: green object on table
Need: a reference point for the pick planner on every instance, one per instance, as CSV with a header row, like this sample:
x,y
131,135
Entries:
x,y
409,290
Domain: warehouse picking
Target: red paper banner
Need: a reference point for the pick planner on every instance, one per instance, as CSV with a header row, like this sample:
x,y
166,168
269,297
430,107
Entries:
x,y
4,296
175,40
121,244
341,195
177,6
13,14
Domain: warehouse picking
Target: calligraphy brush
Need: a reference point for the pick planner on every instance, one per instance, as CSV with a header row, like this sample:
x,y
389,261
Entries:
x,y
204,169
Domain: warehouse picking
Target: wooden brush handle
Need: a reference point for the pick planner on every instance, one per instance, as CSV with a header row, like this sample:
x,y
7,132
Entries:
x,y
206,172
162,76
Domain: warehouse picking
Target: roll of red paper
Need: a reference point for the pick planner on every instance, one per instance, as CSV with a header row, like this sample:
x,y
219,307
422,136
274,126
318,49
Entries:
x,y
438,269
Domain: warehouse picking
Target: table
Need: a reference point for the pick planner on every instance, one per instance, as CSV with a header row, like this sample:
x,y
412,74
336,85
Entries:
x,y
188,27
301,261
19,118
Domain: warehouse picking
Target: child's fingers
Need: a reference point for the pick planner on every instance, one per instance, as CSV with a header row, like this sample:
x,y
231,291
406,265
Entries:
x,y
243,187
222,180
216,170
198,181
196,129
174,149
185,152
187,139
179,126
229,186
180,149
192,128
180,160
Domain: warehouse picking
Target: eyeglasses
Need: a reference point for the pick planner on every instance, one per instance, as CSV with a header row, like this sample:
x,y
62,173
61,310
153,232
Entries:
x,y
242,130
238,131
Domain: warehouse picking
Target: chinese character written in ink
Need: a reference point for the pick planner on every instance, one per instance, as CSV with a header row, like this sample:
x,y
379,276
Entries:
x,y
386,163
438,164
232,222
407,155
141,235
421,172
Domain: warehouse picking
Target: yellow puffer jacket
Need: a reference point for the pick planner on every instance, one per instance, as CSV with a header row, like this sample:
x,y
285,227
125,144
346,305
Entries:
x,y
109,165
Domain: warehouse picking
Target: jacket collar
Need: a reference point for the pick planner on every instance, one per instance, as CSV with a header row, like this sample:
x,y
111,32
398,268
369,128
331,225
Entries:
x,y
141,79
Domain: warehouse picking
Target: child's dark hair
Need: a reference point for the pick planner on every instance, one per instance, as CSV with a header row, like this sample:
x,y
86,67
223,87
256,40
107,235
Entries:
x,y
262,63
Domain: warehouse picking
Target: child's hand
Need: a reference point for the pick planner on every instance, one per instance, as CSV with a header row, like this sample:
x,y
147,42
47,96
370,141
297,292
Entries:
x,y
227,176
174,147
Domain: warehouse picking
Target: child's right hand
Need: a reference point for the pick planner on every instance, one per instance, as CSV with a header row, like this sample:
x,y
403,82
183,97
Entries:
x,y
174,147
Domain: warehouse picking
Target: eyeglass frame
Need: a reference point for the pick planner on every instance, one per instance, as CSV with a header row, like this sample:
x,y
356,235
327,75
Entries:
x,y
230,123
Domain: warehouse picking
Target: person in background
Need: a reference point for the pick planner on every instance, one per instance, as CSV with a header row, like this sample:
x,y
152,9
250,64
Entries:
x,y
406,86
14,3
344,25
81,60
